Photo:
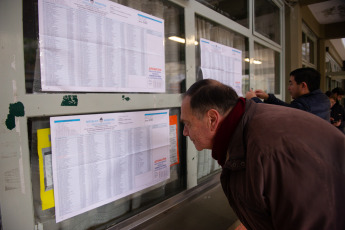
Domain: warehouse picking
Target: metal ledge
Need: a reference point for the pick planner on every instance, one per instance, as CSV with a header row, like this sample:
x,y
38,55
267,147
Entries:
x,y
170,203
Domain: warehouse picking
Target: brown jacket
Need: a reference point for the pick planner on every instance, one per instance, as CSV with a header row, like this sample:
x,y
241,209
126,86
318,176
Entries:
x,y
286,170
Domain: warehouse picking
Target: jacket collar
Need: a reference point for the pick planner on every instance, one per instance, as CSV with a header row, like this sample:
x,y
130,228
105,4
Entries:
x,y
236,153
226,130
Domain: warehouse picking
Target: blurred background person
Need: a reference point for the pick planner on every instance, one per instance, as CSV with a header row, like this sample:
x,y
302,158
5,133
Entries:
x,y
304,88
335,118
337,110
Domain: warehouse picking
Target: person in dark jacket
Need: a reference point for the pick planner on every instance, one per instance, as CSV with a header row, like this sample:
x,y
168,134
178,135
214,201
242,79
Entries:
x,y
304,87
337,110
279,170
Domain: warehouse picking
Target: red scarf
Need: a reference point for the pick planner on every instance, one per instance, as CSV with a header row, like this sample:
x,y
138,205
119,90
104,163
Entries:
x,y
226,131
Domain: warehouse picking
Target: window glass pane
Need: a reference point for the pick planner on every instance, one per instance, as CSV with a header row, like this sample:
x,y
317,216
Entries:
x,y
304,46
174,52
309,40
217,33
311,47
307,53
331,64
235,10
267,19
214,32
266,70
110,213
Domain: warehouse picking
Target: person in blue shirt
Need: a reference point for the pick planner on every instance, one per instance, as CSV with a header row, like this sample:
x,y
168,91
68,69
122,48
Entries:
x,y
304,87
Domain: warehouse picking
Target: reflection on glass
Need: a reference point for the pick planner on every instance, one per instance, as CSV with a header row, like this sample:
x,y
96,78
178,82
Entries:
x,y
266,69
267,19
206,164
174,52
235,10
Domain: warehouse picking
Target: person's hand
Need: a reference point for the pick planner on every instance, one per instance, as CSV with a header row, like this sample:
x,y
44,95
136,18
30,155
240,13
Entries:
x,y
337,123
250,94
261,94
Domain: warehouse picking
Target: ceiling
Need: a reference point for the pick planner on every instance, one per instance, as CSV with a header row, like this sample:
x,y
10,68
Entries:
x,y
328,13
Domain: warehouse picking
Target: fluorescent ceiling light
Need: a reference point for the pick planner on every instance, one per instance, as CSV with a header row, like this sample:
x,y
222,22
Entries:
x,y
177,39
257,62
180,40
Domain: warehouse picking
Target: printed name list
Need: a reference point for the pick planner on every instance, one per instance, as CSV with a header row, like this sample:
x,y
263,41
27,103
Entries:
x,y
100,158
100,46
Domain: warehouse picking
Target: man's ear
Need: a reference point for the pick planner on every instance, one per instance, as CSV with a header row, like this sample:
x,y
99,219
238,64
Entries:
x,y
305,88
213,119
304,85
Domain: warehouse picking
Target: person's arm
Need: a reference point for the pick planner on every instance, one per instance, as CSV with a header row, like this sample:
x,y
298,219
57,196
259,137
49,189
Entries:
x,y
256,99
297,104
269,98
273,100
